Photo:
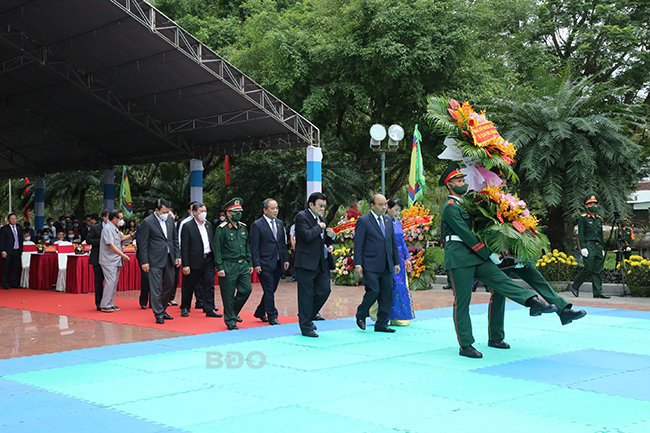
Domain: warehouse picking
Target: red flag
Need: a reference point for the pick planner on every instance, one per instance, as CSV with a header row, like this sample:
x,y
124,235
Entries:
x,y
226,166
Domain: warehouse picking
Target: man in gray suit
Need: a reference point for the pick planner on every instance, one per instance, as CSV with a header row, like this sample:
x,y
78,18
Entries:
x,y
159,254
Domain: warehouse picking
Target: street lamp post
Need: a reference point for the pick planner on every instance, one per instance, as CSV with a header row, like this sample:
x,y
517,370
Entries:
x,y
377,134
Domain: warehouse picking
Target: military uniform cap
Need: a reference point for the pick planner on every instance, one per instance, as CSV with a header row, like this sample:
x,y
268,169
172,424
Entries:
x,y
235,204
450,172
591,198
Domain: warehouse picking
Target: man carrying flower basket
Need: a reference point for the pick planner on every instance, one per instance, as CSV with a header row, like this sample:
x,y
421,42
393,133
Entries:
x,y
467,257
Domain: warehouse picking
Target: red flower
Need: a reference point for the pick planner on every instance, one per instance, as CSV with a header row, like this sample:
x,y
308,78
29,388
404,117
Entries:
x,y
519,226
454,104
499,216
453,113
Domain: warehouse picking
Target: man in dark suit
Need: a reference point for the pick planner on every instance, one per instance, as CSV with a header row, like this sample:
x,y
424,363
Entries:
x,y
160,253
197,255
93,239
11,244
311,264
376,257
270,258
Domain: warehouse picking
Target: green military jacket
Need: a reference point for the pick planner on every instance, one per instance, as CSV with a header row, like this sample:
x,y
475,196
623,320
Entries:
x,y
457,224
231,242
590,229
627,235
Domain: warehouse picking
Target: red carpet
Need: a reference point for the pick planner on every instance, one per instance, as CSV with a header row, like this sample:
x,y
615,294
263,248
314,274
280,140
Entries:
x,y
83,306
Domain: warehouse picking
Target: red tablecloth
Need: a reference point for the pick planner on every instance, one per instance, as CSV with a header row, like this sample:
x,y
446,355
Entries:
x,y
80,276
43,271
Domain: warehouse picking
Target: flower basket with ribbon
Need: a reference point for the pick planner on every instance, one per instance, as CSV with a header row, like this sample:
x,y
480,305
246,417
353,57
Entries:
x,y
504,224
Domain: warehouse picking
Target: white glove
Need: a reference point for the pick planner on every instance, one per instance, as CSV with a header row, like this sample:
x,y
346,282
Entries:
x,y
519,265
496,259
628,249
584,252
604,253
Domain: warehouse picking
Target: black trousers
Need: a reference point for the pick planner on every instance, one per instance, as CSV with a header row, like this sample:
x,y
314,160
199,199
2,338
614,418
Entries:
x,y
198,288
269,281
379,288
144,289
203,277
161,281
313,291
11,269
99,284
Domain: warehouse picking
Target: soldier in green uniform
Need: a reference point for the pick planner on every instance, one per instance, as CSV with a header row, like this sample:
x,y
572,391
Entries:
x,y
466,258
232,258
529,273
590,242
627,238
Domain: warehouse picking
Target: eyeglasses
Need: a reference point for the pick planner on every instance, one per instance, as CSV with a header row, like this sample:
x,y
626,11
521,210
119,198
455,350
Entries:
x,y
322,206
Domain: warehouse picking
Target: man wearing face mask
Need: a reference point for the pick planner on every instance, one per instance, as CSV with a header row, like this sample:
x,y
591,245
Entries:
x,y
93,239
590,242
198,303
197,255
159,252
232,258
466,258
110,258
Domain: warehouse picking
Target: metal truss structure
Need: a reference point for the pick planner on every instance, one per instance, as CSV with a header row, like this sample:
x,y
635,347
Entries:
x,y
118,82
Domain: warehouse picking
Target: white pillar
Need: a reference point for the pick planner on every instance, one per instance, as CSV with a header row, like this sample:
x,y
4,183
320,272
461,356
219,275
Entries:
x,y
314,170
39,204
109,189
196,180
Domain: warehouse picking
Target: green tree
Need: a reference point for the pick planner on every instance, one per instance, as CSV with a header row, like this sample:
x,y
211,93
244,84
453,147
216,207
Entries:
x,y
569,146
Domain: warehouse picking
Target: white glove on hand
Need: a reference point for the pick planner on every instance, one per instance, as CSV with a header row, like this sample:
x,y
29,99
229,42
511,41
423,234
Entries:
x,y
604,253
496,259
584,252
628,249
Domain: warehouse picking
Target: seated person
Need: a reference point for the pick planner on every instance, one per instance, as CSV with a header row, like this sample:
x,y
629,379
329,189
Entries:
x,y
60,237
72,237
45,238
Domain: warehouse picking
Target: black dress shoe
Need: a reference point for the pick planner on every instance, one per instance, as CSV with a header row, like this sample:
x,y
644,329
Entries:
x,y
574,291
160,320
361,323
537,307
313,325
213,313
310,334
167,317
232,327
319,317
144,307
498,344
262,317
185,312
239,319
602,295
469,352
198,306
384,329
568,315
274,322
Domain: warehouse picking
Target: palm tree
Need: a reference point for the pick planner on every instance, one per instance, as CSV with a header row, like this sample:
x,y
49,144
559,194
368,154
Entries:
x,y
571,143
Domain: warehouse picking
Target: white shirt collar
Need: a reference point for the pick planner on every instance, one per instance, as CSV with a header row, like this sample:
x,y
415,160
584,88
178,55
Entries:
x,y
455,198
268,220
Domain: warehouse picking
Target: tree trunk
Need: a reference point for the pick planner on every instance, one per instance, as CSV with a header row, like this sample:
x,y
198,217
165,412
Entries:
x,y
555,229
80,209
